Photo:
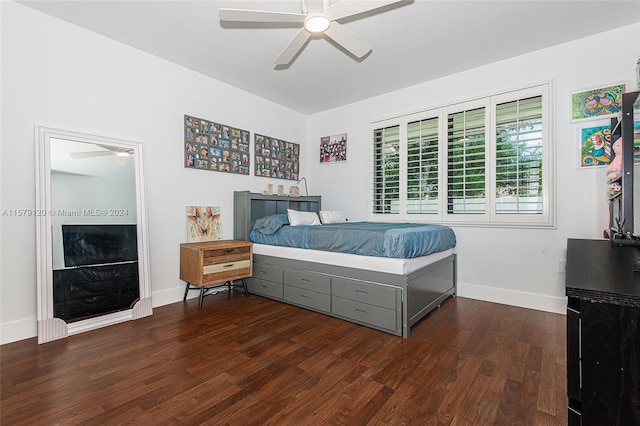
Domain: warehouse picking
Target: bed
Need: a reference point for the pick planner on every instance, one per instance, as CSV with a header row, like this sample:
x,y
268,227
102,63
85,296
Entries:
x,y
390,288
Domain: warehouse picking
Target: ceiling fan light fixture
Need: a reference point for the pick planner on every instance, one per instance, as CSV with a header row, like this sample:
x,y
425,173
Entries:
x,y
122,153
316,23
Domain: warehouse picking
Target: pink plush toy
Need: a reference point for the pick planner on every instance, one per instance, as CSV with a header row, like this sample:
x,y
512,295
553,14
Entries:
x,y
615,167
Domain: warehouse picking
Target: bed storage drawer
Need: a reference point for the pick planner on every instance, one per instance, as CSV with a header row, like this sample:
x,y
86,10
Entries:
x,y
375,316
308,280
310,299
371,294
265,288
267,272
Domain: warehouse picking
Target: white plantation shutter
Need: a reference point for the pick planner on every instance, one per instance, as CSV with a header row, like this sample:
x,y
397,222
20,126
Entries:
x,y
519,157
466,162
422,166
486,161
386,170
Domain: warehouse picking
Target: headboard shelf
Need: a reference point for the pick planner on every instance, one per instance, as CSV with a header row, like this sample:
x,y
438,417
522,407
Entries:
x,y
250,206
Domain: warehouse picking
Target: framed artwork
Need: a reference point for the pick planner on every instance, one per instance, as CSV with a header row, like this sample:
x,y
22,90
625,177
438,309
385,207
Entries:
x,y
214,146
276,158
333,148
595,145
203,224
594,103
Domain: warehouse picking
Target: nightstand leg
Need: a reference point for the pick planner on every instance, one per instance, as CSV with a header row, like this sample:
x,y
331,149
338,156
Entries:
x,y
246,289
186,290
230,286
201,297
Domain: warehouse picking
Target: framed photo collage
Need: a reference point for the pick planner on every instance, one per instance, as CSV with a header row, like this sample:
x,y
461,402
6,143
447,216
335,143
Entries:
x,y
221,148
276,158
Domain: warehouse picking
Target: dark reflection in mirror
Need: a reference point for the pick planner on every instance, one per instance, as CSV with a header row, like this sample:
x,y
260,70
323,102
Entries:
x,y
95,253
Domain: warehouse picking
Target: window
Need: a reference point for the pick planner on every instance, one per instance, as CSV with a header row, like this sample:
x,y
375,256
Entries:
x,y
386,160
485,161
422,166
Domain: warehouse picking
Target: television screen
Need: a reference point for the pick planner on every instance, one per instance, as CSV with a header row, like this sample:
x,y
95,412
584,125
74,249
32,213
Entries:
x,y
99,244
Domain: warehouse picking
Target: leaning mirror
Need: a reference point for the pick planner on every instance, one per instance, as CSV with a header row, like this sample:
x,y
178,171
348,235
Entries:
x,y
93,268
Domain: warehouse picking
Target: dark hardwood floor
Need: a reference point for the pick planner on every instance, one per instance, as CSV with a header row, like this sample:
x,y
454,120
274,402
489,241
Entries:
x,y
254,361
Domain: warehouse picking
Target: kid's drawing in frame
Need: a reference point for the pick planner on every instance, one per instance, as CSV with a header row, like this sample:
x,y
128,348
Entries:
x,y
595,145
203,224
333,148
595,103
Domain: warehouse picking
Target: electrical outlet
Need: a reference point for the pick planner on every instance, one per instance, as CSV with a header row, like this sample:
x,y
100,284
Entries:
x,y
562,266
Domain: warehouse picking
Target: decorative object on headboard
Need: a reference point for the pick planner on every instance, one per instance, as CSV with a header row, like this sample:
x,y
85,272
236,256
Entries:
x,y
276,158
203,224
595,103
294,191
333,148
214,146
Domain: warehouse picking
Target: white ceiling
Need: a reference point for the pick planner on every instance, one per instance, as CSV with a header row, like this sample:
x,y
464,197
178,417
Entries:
x,y
413,41
95,160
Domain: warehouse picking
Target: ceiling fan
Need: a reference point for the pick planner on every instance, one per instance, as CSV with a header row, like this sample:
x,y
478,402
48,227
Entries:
x,y
317,17
107,150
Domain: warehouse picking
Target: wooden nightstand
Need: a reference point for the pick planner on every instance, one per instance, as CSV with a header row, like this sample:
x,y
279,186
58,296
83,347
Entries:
x,y
211,264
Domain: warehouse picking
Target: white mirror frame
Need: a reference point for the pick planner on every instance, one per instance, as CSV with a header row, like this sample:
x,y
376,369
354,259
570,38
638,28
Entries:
x,y
52,328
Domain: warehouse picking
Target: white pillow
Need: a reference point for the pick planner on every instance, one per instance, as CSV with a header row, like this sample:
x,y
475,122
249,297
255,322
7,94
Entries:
x,y
297,218
336,216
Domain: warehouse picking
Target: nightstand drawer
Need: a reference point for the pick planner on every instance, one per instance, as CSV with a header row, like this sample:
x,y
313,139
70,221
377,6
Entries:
x,y
308,280
226,255
225,267
310,299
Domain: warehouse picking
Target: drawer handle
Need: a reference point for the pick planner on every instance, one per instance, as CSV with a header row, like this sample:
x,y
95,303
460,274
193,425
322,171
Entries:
x,y
362,311
304,296
228,250
304,280
229,265
263,286
263,272
361,292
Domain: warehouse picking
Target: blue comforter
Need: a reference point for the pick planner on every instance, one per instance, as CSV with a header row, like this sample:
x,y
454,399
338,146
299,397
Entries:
x,y
398,240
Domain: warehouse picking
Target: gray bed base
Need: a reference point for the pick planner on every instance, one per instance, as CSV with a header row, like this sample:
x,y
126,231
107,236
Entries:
x,y
384,301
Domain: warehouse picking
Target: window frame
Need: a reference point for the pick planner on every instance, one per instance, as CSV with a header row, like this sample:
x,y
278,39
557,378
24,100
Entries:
x,y
490,217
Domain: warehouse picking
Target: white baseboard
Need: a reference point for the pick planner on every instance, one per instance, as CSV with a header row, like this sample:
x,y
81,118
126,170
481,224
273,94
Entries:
x,y
521,299
18,330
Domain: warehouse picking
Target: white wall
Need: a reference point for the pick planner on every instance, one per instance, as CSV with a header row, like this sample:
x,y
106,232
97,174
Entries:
x,y
59,75
515,266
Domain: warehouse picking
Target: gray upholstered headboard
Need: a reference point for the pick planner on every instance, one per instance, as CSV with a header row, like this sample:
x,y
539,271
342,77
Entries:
x,y
249,207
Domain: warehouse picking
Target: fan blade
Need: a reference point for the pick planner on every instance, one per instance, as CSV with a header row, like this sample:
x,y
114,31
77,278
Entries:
x,y
348,39
314,6
243,15
292,49
347,8
90,154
